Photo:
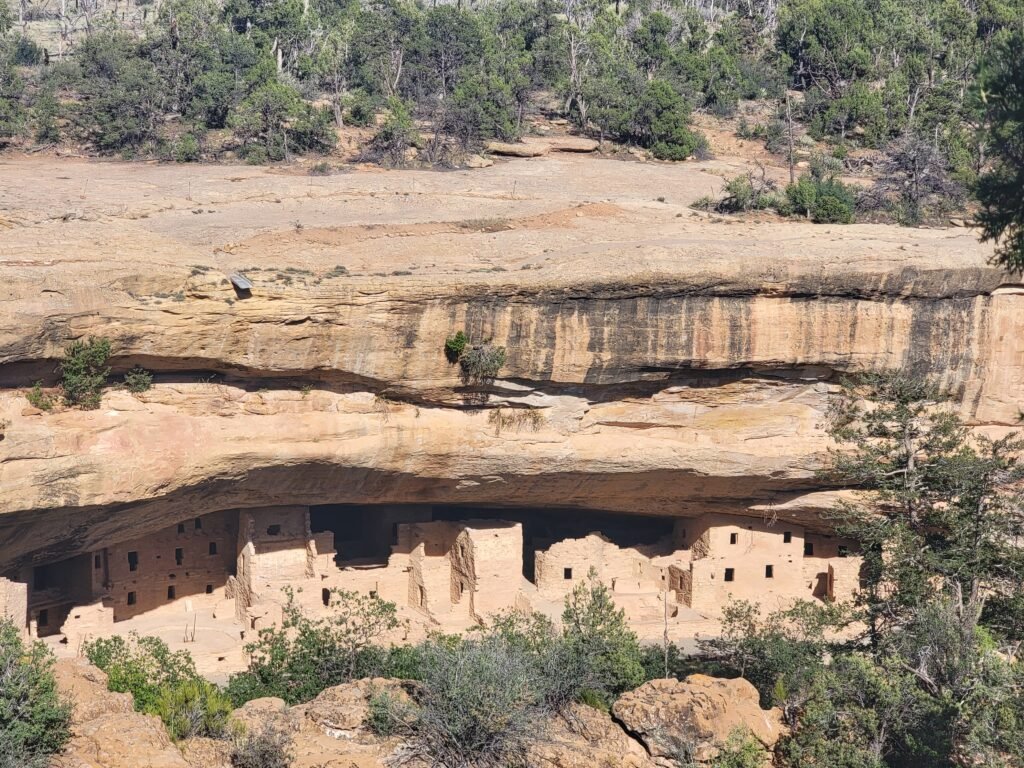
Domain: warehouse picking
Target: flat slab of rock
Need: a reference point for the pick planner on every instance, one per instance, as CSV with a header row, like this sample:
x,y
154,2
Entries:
x,y
564,143
700,712
517,150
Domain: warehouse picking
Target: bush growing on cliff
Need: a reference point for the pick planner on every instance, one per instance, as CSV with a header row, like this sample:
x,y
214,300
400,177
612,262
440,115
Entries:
x,y
482,362
137,380
454,346
267,748
37,398
34,721
84,372
193,708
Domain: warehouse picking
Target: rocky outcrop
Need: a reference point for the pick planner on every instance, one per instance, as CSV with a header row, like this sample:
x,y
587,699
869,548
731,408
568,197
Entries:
x,y
330,731
587,738
697,715
106,732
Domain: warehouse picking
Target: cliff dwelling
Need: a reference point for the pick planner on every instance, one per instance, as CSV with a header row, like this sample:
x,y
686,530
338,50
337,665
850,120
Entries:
x,y
657,420
446,567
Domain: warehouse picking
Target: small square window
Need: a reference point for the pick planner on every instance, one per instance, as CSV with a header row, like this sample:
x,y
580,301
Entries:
x,y
209,589
213,547
769,571
97,562
131,598
179,556
787,537
198,524
734,538
44,618
133,561
730,574
567,574
181,527
171,592
808,549
274,530
844,550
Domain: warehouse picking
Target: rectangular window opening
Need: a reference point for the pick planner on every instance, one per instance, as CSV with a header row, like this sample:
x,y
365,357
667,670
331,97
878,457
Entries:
x,y
213,547
181,527
97,562
734,538
133,561
198,524
44,618
274,530
808,549
787,537
730,574
769,571
567,574
209,589
171,592
131,598
844,550
179,556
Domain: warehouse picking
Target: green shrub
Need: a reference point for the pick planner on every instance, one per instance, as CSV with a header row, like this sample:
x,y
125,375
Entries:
x,y
454,346
603,646
833,209
384,714
268,748
138,379
34,721
187,149
741,750
27,52
37,398
397,134
482,362
362,109
84,372
142,666
481,704
193,708
300,658
662,123
822,198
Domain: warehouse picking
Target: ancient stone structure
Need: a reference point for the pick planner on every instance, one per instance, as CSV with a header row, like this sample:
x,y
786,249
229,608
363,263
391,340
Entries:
x,y
447,573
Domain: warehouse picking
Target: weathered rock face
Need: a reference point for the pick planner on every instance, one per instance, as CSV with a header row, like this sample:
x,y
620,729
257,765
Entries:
x,y
697,714
680,364
105,730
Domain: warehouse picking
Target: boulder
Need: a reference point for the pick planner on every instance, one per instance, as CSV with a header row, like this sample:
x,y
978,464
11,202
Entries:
x,y
517,150
587,738
478,161
106,732
341,711
699,712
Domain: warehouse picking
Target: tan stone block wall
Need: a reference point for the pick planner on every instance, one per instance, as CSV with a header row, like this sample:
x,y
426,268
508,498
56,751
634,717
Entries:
x,y
177,557
495,567
14,601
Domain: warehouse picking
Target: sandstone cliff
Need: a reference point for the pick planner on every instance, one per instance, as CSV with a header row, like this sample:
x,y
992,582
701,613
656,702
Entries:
x,y
680,363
